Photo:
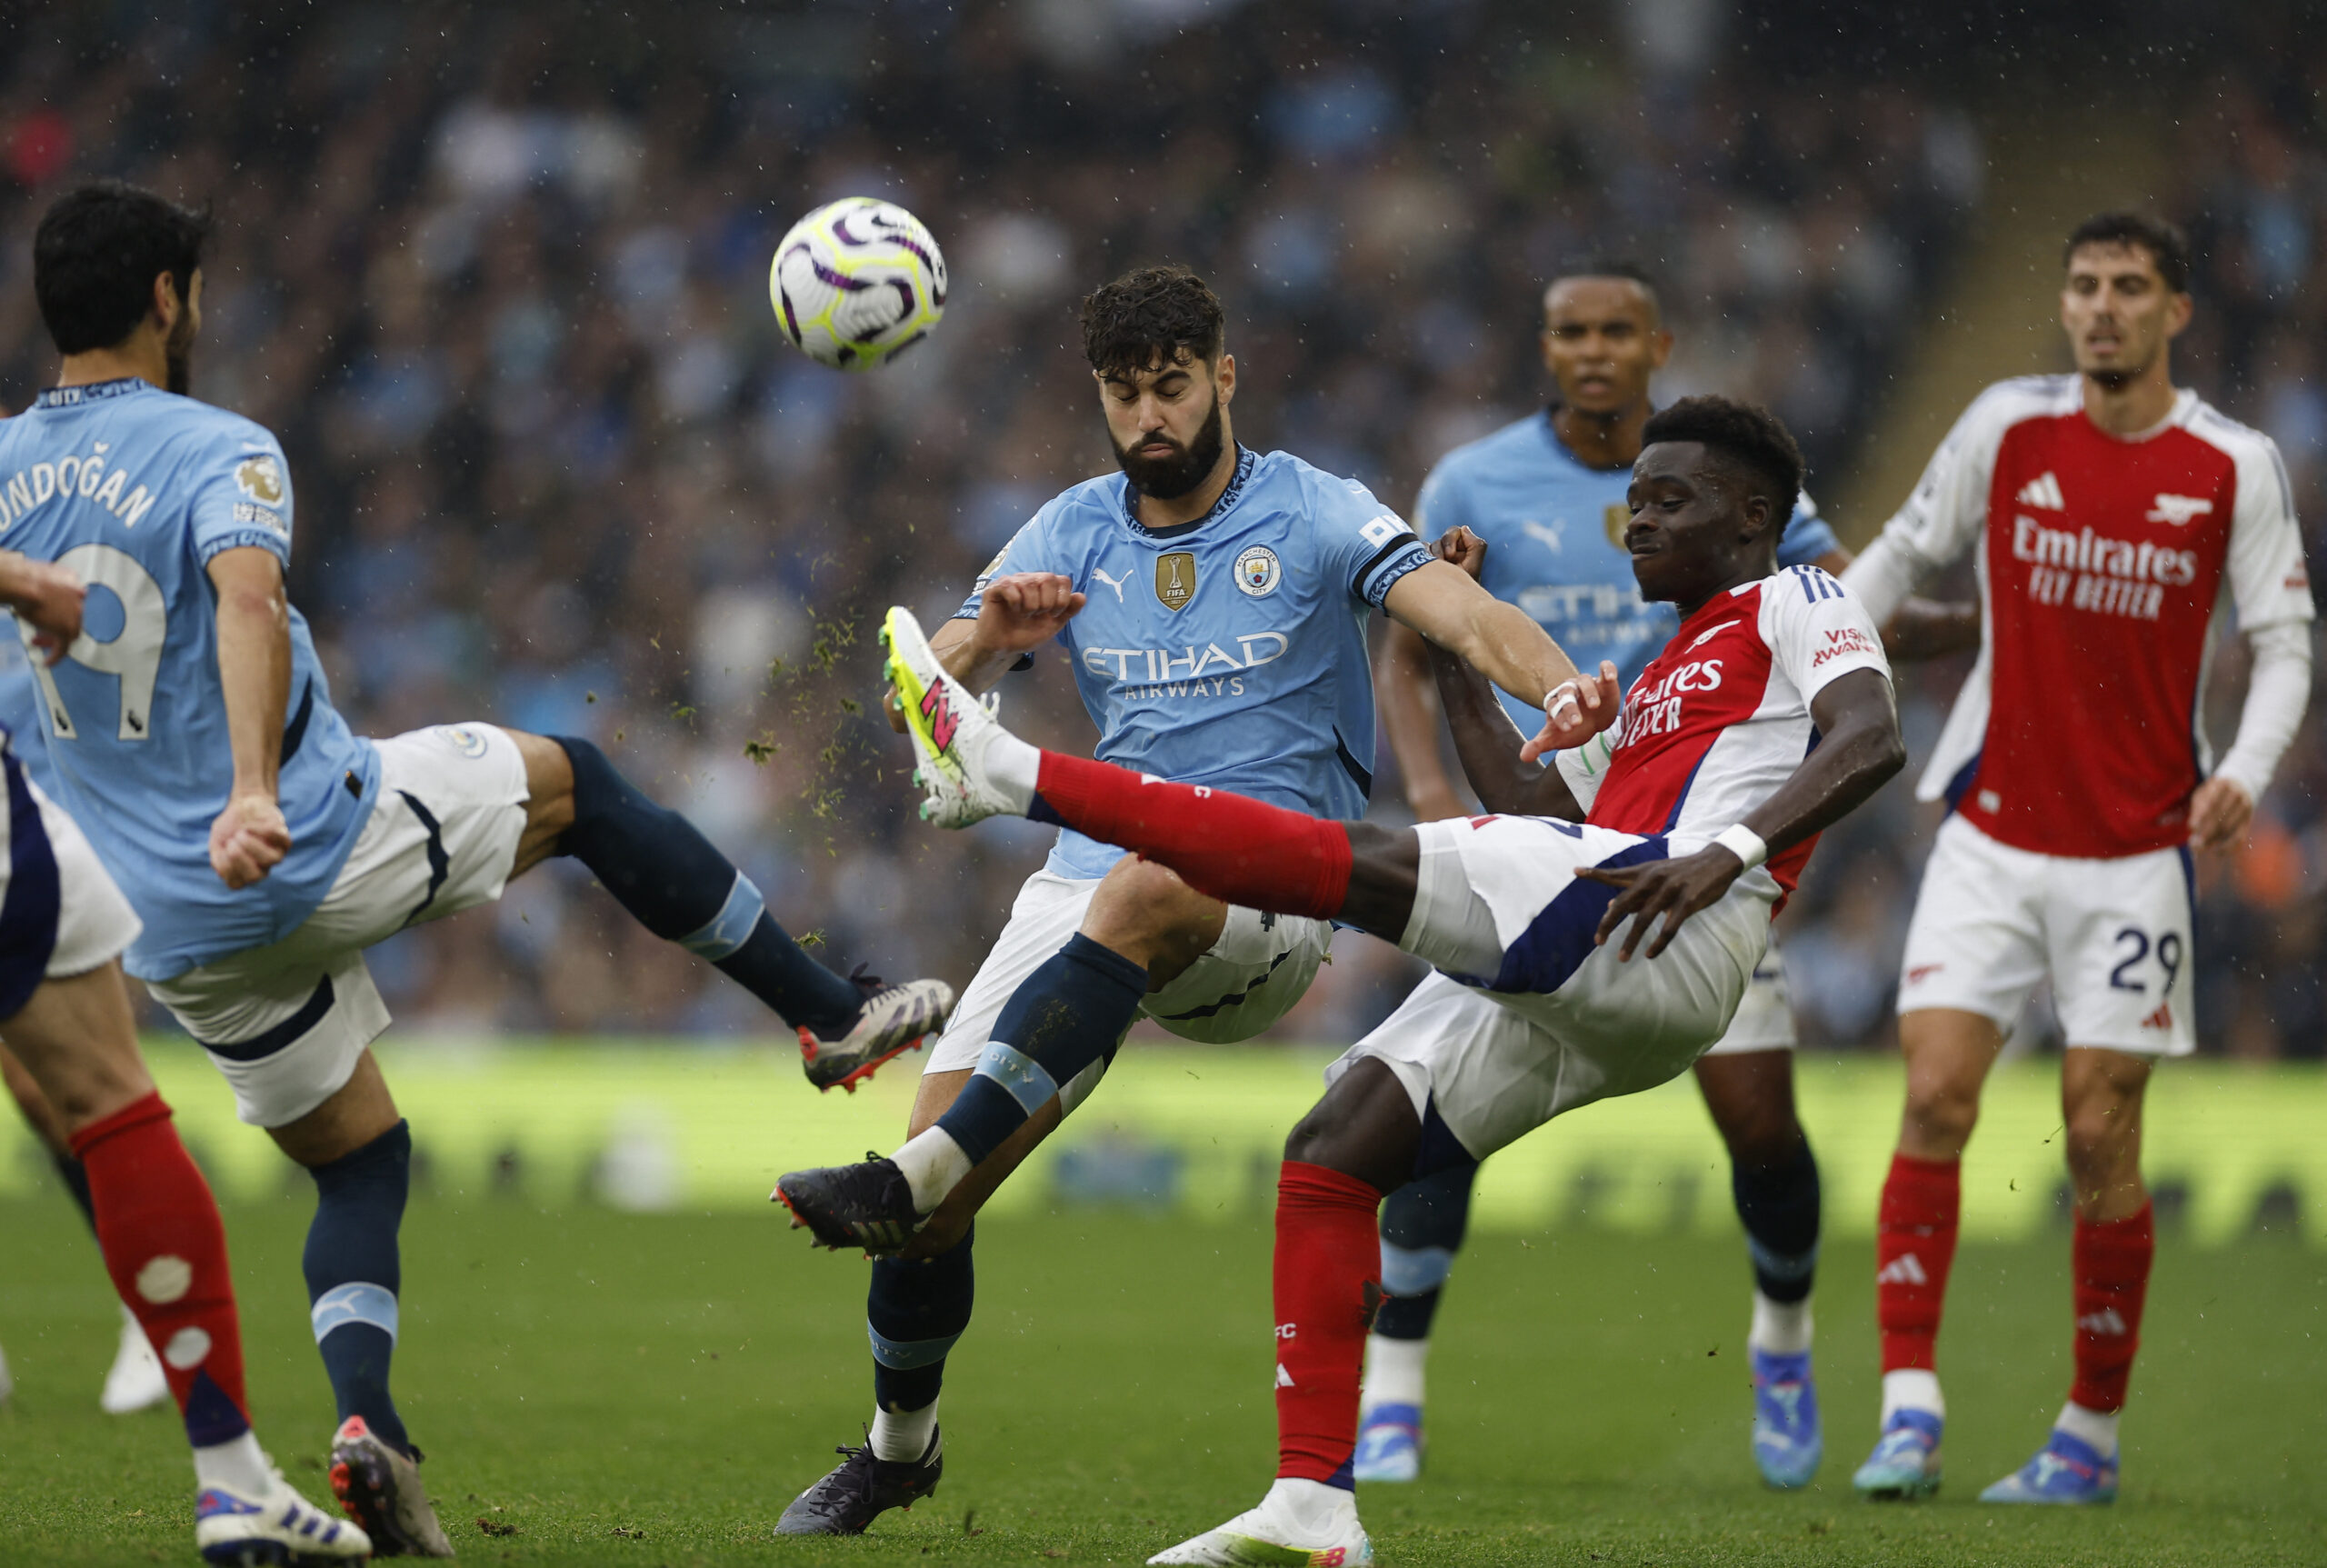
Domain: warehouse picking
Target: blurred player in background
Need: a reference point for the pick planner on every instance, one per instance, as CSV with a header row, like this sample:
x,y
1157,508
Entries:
x,y
1547,494
1765,718
75,1066
2113,516
1213,605
135,1382
192,733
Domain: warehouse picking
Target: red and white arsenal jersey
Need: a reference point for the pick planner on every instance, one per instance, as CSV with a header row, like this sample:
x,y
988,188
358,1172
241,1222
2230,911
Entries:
x,y
1721,717
2102,567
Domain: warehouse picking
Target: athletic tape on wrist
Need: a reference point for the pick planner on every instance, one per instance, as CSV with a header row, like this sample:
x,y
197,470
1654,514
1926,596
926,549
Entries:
x,y
1745,843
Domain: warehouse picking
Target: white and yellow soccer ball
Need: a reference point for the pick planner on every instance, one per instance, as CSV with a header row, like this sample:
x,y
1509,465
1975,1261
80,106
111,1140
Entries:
x,y
856,282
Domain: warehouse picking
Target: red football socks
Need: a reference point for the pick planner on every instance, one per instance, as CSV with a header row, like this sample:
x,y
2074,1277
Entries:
x,y
2111,1260
1232,847
1328,1284
165,1248
1914,1246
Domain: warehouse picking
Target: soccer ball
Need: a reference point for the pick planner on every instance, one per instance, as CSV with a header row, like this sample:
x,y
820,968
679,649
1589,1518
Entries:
x,y
856,281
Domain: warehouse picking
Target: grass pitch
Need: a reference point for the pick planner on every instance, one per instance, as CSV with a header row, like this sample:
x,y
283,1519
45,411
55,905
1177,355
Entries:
x,y
599,1388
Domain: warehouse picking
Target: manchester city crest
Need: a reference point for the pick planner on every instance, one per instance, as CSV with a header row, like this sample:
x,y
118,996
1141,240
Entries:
x,y
1258,572
1175,579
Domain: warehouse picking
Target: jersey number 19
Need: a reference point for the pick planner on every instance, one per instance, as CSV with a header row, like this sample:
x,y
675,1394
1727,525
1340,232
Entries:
x,y
134,655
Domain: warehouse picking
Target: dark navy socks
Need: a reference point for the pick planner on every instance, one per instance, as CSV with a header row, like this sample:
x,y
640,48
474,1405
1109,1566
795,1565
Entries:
x,y
1422,1224
354,1274
915,1311
671,879
1067,1014
1778,1205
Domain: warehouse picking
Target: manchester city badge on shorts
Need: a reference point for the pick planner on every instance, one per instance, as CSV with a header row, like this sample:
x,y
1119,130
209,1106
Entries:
x,y
1258,572
461,739
1175,579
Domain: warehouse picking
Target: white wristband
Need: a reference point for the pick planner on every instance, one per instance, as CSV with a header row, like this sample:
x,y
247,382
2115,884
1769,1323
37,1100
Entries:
x,y
1745,843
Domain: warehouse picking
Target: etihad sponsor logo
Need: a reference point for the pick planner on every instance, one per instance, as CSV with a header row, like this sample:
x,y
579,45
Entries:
x,y
2043,490
1843,643
1189,663
2178,510
1175,579
87,477
2094,573
1906,1269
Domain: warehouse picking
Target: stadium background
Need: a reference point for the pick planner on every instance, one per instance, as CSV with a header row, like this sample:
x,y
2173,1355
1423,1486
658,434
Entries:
x,y
497,275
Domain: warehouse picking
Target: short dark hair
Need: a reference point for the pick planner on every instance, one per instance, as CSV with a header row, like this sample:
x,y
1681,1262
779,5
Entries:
x,y
1747,435
1151,316
96,253
1610,267
2167,245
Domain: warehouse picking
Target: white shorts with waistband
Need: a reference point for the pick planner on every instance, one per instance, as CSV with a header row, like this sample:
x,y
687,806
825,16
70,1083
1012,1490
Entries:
x,y
287,1022
1527,1018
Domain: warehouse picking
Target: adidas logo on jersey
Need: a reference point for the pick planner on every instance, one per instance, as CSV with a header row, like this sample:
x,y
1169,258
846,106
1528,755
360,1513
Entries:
x,y
1283,1378
2105,1321
1906,1269
2043,490
2161,1019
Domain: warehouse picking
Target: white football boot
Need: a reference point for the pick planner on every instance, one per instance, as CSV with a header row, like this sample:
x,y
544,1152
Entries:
x,y
136,1380
952,731
281,1527
1300,1523
895,1021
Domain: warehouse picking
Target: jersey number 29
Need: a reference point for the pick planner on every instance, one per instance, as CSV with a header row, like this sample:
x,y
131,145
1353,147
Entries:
x,y
134,653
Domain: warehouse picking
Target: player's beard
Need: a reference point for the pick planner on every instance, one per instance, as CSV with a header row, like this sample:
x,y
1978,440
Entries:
x,y
178,357
1169,478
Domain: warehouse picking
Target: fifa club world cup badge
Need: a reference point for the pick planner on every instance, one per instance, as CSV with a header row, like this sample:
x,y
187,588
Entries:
x,y
1616,516
1258,572
1175,579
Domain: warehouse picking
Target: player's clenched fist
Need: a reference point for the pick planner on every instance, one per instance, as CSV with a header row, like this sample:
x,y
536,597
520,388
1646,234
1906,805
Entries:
x,y
1458,546
248,840
46,597
1574,710
1024,610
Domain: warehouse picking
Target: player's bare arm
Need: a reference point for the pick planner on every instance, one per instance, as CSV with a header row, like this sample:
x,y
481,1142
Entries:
x,y
1448,608
1408,698
1489,745
249,838
1860,748
44,596
1016,615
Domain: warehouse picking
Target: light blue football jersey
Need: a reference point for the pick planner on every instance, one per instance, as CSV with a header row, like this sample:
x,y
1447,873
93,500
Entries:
x,y
1230,651
136,489
1555,545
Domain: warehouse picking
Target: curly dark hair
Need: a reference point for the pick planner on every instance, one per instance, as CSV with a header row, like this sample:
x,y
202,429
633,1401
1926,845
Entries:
x,y
1151,315
96,253
1749,436
2167,245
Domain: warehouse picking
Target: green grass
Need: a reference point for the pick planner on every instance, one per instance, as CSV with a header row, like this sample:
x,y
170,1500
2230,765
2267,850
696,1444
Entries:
x,y
576,1372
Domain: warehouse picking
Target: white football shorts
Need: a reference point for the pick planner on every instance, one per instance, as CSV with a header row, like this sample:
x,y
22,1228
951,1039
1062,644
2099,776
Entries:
x,y
287,1022
60,915
1249,978
1764,1020
2113,936
1540,1020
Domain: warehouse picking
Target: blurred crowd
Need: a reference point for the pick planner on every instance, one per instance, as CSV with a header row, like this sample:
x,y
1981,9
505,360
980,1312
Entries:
x,y
497,276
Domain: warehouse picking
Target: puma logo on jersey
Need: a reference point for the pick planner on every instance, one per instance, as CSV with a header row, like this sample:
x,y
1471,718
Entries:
x,y
2178,510
2105,1321
1550,536
2161,1019
1115,582
2043,490
1906,1269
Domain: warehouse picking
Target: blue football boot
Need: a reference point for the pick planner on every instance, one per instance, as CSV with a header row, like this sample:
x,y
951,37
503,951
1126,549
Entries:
x,y
1787,1441
1389,1444
2066,1469
1905,1461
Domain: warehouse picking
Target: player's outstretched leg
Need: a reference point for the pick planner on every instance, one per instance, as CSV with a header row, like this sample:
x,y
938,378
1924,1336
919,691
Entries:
x,y
675,884
134,1381
1362,1137
1774,1179
1423,1226
165,1248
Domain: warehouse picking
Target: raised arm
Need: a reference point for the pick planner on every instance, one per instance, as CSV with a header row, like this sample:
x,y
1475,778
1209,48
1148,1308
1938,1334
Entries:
x,y
1016,615
1489,744
1409,715
1446,605
249,838
1858,751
